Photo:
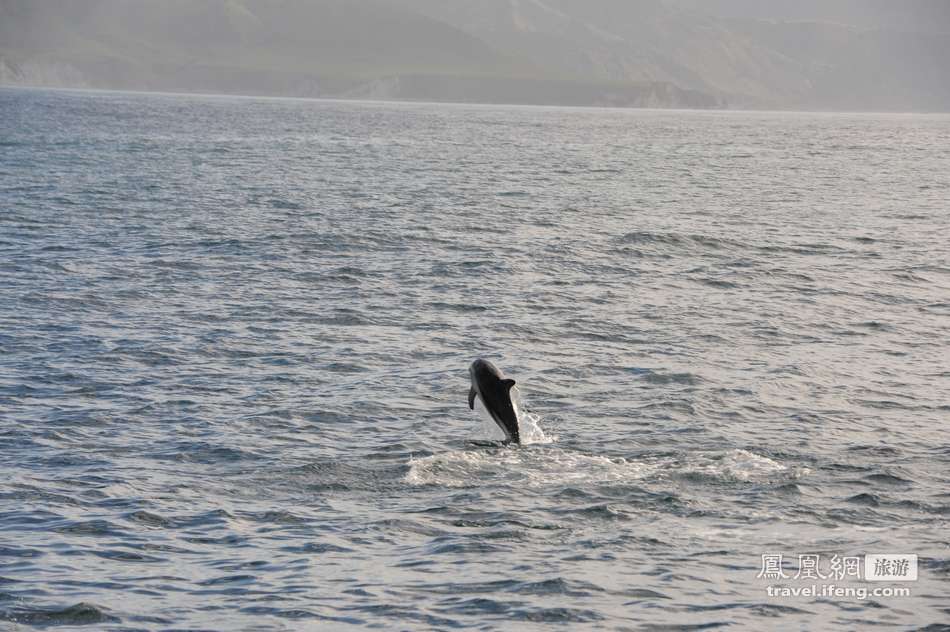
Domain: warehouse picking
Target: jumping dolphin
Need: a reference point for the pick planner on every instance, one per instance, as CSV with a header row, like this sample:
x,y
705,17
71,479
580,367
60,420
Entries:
x,y
494,389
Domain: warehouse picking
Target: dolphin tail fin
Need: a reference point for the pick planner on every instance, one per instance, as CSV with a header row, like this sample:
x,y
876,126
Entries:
x,y
471,397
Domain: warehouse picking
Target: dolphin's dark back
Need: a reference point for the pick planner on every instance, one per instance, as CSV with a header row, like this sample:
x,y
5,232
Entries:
x,y
495,390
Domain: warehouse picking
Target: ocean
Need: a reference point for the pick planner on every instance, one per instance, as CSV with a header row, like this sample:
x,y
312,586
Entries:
x,y
234,346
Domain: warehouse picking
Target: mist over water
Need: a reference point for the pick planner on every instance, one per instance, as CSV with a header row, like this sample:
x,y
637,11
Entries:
x,y
235,334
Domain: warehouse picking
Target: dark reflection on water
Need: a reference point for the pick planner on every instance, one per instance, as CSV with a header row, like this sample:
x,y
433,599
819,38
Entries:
x,y
234,336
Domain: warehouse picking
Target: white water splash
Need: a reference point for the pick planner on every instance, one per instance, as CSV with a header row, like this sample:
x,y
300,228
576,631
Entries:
x,y
538,467
544,466
734,465
529,424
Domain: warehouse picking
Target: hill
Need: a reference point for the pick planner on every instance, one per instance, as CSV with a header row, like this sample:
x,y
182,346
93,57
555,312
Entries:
x,y
829,54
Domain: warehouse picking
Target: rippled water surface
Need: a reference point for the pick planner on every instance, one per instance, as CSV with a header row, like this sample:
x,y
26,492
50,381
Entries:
x,y
235,333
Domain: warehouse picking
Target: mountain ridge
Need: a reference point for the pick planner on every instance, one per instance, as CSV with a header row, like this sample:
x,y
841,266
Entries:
x,y
658,53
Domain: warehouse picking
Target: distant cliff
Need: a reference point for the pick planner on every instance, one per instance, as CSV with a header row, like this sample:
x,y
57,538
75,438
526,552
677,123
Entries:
x,y
39,73
534,91
827,54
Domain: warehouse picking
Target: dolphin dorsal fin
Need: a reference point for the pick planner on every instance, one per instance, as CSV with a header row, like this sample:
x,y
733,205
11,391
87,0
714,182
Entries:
x,y
508,383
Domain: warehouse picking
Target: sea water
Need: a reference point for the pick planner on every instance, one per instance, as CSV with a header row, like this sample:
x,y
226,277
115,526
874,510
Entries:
x,y
235,336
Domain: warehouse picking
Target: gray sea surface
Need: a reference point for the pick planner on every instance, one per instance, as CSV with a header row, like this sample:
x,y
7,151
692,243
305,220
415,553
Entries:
x,y
235,333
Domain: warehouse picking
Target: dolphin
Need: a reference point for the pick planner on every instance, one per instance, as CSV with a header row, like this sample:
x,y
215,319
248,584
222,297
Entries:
x,y
494,389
